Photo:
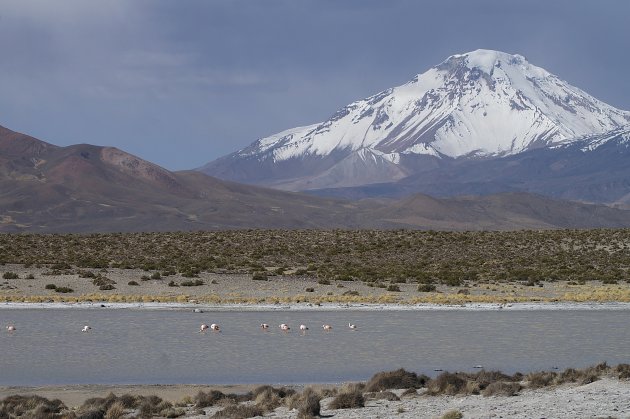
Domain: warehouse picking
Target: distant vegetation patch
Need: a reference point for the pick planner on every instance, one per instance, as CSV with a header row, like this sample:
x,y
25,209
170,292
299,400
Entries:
x,y
426,258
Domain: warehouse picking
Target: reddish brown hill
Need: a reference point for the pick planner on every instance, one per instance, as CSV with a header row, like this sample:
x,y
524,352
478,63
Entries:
x,y
87,188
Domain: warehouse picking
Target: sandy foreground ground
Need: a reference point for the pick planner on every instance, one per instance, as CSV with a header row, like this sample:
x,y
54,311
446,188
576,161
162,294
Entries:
x,y
241,288
606,398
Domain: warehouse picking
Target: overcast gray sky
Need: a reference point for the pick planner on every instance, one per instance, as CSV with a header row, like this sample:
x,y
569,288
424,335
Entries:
x,y
182,82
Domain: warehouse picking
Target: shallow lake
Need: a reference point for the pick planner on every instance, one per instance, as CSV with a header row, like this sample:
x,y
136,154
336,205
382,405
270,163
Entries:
x,y
128,346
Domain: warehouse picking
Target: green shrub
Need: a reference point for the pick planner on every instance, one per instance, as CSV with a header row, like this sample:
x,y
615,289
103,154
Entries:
x,y
426,288
10,275
64,290
133,283
50,286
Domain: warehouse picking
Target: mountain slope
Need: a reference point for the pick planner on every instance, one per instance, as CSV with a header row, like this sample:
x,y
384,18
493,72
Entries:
x,y
477,105
87,188
594,168
90,188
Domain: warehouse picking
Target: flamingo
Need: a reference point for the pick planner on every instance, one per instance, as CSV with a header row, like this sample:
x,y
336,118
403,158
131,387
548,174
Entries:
x,y
284,327
264,326
86,328
11,328
215,327
352,326
303,328
203,328
327,327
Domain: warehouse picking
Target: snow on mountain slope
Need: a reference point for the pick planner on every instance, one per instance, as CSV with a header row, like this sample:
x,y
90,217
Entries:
x,y
480,104
484,102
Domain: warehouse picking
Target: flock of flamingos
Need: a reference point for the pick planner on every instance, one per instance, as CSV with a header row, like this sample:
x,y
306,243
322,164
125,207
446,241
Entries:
x,y
216,328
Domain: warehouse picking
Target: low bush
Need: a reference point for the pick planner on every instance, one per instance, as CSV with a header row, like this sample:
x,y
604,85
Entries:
x,y
64,290
447,383
323,281
393,288
453,414
133,283
308,404
107,287
310,289
195,283
382,395
50,286
426,288
239,411
259,276
623,371
501,388
31,406
395,379
10,275
540,379
348,399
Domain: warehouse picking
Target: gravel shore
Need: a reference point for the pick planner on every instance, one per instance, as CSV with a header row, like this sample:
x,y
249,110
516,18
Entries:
x,y
605,398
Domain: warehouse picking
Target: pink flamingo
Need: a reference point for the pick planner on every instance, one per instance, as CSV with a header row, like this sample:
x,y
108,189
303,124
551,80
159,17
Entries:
x,y
215,327
352,326
327,327
203,328
303,328
264,326
86,328
284,327
11,328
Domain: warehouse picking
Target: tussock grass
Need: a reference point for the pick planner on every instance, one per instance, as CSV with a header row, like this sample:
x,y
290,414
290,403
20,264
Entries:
x,y
381,395
349,397
30,406
239,411
396,379
502,388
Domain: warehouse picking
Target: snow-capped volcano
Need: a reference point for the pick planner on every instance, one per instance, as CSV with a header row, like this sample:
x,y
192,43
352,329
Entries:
x,y
480,104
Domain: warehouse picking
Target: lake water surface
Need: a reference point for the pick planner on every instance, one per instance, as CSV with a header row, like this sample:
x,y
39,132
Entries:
x,y
146,346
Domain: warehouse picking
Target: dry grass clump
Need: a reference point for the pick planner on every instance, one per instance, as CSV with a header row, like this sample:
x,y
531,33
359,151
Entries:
x,y
350,397
381,395
453,414
214,397
502,388
466,383
114,407
115,411
395,379
239,411
31,407
410,392
446,383
306,403
269,398
623,371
